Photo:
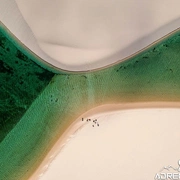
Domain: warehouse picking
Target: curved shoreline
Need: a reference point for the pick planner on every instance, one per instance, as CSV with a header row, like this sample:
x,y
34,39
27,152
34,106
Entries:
x,y
49,66
77,124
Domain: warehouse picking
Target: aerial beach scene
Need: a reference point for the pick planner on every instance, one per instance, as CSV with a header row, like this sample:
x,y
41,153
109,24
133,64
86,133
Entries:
x,y
45,107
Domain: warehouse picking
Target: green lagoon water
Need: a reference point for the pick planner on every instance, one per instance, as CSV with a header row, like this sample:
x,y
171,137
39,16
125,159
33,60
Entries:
x,y
38,101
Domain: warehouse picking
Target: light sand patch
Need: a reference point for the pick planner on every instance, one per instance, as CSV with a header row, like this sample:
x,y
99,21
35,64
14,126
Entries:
x,y
135,116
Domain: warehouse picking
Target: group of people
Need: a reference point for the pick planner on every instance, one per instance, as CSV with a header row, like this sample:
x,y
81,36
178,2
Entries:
x,y
94,121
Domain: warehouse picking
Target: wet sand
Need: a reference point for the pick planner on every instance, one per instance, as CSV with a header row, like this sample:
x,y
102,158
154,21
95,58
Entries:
x,y
78,124
56,149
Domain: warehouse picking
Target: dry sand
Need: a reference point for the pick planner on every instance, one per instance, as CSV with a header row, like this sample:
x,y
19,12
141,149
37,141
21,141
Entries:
x,y
135,24
94,113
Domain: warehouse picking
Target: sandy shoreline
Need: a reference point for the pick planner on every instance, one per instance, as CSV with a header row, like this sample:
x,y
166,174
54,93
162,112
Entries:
x,y
93,113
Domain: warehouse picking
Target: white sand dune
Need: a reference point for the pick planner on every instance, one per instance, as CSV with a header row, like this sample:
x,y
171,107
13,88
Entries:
x,y
84,34
127,144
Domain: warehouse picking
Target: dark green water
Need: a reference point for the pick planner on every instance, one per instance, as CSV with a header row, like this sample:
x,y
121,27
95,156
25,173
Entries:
x,y
37,102
21,81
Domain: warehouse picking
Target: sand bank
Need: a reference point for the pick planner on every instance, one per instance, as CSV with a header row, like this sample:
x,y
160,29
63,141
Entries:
x,y
93,113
